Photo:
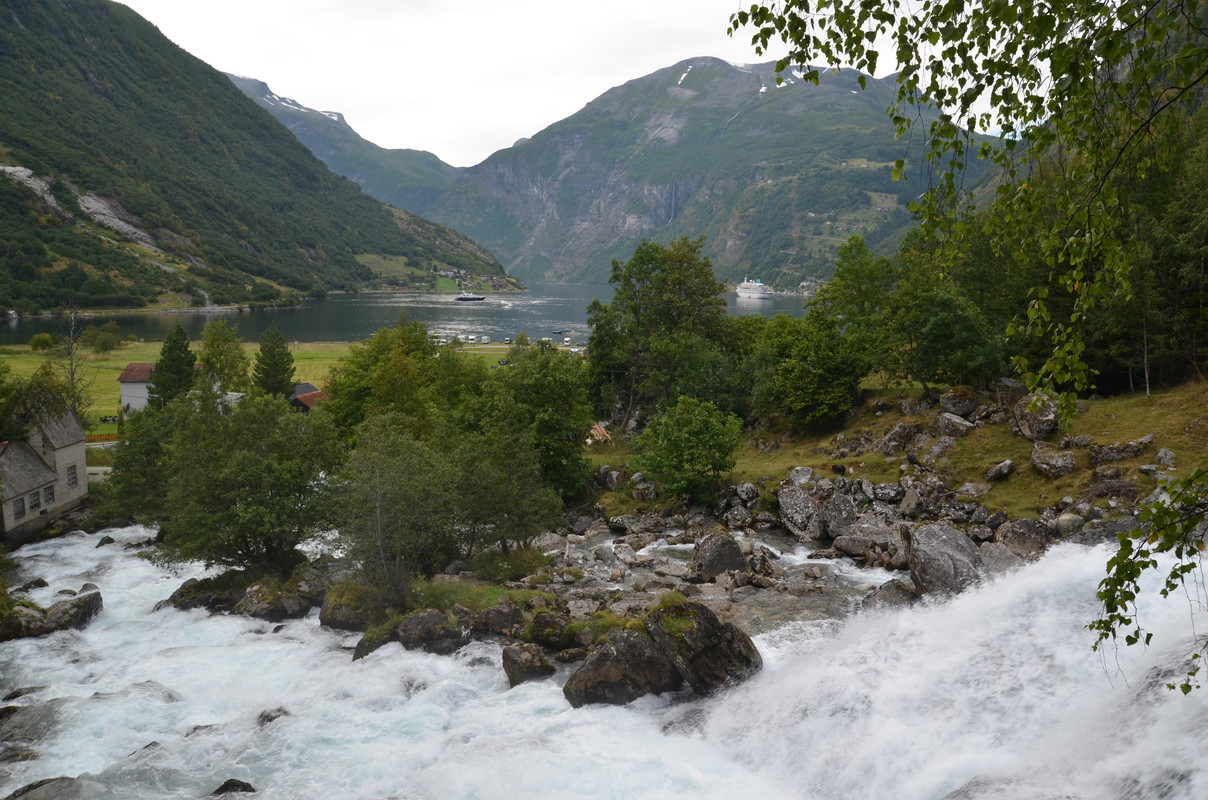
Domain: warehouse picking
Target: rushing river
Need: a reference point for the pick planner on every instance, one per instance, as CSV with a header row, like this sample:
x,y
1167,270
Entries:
x,y
996,690
550,310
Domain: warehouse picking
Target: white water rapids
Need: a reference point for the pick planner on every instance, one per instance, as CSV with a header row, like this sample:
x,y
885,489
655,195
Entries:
x,y
996,691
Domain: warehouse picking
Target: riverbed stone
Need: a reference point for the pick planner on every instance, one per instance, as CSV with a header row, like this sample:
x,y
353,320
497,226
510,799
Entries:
x,y
717,552
430,630
941,558
525,662
797,508
1026,538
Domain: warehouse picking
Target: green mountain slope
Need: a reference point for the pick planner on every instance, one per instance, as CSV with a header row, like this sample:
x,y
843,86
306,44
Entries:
x,y
409,179
775,177
211,196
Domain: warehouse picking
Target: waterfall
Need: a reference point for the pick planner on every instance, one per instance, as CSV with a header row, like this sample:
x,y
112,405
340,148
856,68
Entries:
x,y
991,694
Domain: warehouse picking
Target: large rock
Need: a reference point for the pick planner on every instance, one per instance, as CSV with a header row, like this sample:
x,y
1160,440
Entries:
x,y
1053,463
505,618
1000,471
1103,453
834,517
431,630
960,400
1036,423
219,594
336,612
525,662
892,593
717,552
72,613
895,440
272,603
951,425
708,653
941,558
797,508
626,666
1026,538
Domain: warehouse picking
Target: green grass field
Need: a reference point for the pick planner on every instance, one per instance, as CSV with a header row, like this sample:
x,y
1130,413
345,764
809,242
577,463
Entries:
x,y
312,363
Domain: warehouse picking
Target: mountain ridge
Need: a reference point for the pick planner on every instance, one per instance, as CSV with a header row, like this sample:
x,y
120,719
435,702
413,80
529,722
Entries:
x,y
775,175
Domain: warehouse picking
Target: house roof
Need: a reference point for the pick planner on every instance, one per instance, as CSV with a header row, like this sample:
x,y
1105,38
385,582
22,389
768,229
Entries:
x,y
301,389
63,430
21,470
136,371
310,398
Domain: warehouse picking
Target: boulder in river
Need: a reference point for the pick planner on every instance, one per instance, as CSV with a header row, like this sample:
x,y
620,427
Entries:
x,y
72,613
717,552
941,558
626,666
525,662
706,651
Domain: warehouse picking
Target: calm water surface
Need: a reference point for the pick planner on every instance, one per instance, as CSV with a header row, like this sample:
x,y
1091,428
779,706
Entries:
x,y
545,310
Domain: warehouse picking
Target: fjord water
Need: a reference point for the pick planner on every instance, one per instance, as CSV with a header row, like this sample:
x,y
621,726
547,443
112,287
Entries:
x,y
995,691
541,311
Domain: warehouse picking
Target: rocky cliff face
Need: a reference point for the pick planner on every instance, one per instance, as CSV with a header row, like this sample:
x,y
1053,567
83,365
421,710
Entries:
x,y
774,176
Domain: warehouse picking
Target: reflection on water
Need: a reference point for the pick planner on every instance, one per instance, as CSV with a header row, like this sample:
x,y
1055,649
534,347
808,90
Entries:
x,y
555,310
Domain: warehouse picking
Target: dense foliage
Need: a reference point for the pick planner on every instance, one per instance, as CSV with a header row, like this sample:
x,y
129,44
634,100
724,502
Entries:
x,y
273,372
1098,108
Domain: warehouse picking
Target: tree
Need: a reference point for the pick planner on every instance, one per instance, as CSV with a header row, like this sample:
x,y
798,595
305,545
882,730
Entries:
x,y
806,369
25,402
72,373
224,365
661,290
1089,91
173,374
247,483
1093,87
689,447
550,387
274,370
397,506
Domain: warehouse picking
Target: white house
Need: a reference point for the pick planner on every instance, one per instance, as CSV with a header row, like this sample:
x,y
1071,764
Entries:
x,y
135,381
41,477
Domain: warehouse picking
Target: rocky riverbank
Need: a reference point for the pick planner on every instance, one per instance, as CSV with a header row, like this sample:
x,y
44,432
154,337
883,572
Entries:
x,y
806,546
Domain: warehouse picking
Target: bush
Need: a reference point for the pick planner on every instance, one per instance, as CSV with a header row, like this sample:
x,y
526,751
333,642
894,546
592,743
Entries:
x,y
41,342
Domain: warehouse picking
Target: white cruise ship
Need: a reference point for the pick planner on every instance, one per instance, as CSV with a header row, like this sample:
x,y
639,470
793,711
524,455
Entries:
x,y
754,290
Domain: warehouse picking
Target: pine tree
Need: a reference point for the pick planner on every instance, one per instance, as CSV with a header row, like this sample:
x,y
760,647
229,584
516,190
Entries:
x,y
274,370
172,375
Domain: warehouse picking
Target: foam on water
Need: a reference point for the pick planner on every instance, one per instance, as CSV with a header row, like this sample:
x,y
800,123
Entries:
x,y
996,691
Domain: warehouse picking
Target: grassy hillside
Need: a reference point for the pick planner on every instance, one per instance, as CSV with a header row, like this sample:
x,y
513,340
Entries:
x,y
230,205
1177,416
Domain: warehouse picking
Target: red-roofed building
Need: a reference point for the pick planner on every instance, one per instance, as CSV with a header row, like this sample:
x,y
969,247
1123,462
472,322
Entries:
x,y
135,381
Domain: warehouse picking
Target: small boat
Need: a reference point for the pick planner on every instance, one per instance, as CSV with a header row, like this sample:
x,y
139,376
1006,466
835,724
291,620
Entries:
x,y
467,297
754,290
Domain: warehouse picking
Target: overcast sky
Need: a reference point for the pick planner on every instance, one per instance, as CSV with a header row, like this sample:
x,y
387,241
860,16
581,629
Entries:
x,y
459,78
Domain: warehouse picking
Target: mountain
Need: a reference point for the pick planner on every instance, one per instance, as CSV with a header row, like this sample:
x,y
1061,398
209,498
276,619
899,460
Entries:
x,y
403,178
137,173
775,176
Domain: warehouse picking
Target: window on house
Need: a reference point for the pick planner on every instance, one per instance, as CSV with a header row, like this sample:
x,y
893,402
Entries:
x,y
48,495
71,477
35,501
19,508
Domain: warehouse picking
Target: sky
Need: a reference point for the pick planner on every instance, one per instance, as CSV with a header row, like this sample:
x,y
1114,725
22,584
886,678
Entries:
x,y
458,78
